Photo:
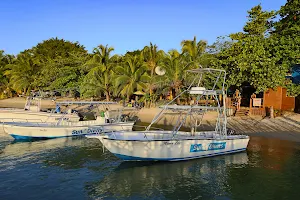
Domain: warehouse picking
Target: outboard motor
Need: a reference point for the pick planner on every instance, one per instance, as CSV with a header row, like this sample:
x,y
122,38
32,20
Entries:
x,y
124,118
230,131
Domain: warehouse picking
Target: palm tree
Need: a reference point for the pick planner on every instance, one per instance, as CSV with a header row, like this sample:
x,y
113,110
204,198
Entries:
x,y
131,76
194,50
97,82
175,66
23,73
4,83
104,53
100,76
152,56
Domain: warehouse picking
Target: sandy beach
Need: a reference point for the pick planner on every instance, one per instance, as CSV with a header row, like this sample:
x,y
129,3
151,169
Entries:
x,y
286,127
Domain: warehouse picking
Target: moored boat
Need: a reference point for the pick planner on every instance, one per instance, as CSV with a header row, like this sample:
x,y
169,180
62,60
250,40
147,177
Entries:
x,y
177,145
32,113
162,146
36,131
62,128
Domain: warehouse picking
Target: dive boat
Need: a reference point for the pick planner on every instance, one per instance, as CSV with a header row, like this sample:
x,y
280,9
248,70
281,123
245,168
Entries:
x,y
32,113
62,128
178,145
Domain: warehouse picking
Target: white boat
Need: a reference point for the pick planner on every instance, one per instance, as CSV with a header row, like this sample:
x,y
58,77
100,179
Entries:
x,y
177,145
32,113
46,130
162,146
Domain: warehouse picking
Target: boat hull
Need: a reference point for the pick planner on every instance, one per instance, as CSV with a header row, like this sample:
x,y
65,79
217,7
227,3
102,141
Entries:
x,y
48,132
19,115
173,149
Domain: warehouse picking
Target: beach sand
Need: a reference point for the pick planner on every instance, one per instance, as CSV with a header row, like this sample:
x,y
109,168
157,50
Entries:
x,y
286,127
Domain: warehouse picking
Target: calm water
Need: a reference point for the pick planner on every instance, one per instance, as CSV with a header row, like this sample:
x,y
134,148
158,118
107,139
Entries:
x,y
78,169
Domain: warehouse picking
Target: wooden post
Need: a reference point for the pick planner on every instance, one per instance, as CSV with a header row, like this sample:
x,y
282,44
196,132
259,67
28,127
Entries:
x,y
250,109
271,112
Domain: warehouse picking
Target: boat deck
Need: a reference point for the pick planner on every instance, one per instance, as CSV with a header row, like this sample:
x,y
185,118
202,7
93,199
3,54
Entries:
x,y
167,135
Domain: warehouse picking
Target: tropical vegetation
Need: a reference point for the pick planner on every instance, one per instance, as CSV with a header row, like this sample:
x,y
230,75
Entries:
x,y
262,54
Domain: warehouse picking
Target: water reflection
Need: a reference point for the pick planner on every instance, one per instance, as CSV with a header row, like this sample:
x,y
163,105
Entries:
x,y
70,168
64,152
194,179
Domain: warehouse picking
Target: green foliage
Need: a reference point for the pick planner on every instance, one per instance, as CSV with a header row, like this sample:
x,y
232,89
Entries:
x,y
5,89
152,58
97,82
292,89
62,73
23,73
175,66
193,50
131,76
61,63
249,58
99,79
261,54
55,48
286,34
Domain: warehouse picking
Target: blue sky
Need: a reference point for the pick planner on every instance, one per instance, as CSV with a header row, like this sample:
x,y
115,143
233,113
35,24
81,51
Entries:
x,y
124,24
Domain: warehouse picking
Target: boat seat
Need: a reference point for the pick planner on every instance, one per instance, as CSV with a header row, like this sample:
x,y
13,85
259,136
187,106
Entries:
x,y
197,90
202,90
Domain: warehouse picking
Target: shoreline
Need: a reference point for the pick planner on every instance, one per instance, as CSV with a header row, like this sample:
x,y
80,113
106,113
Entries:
x,y
285,127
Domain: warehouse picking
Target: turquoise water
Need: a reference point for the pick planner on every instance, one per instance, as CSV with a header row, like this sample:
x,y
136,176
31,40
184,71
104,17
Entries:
x,y
78,169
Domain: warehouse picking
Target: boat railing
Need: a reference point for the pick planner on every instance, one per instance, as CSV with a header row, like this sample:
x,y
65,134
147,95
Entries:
x,y
20,120
200,92
35,124
165,106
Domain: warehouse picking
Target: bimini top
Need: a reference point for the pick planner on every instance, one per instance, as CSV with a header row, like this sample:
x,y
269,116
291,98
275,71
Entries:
x,y
203,70
85,102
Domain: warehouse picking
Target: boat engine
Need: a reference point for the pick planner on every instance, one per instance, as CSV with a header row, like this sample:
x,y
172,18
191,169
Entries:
x,y
230,131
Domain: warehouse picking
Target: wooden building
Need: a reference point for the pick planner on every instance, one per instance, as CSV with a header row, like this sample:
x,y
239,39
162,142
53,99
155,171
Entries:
x,y
278,99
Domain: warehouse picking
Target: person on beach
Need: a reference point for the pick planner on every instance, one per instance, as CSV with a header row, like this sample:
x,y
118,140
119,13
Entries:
x,y
106,115
237,98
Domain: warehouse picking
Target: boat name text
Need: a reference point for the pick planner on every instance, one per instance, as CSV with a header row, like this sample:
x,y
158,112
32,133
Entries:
x,y
171,143
211,146
88,131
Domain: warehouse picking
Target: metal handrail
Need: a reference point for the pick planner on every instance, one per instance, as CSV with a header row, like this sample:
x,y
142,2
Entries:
x,y
221,74
165,107
13,119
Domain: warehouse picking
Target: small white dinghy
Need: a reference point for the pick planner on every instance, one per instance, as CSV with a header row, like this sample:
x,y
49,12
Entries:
x,y
44,130
177,145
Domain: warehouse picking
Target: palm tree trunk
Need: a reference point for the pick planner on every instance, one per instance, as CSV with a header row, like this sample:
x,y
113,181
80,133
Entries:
x,y
107,96
152,73
178,99
171,94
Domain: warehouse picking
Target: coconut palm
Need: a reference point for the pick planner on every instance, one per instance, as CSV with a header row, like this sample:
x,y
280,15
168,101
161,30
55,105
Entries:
x,y
193,50
131,76
99,79
175,65
23,73
104,52
152,56
4,84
